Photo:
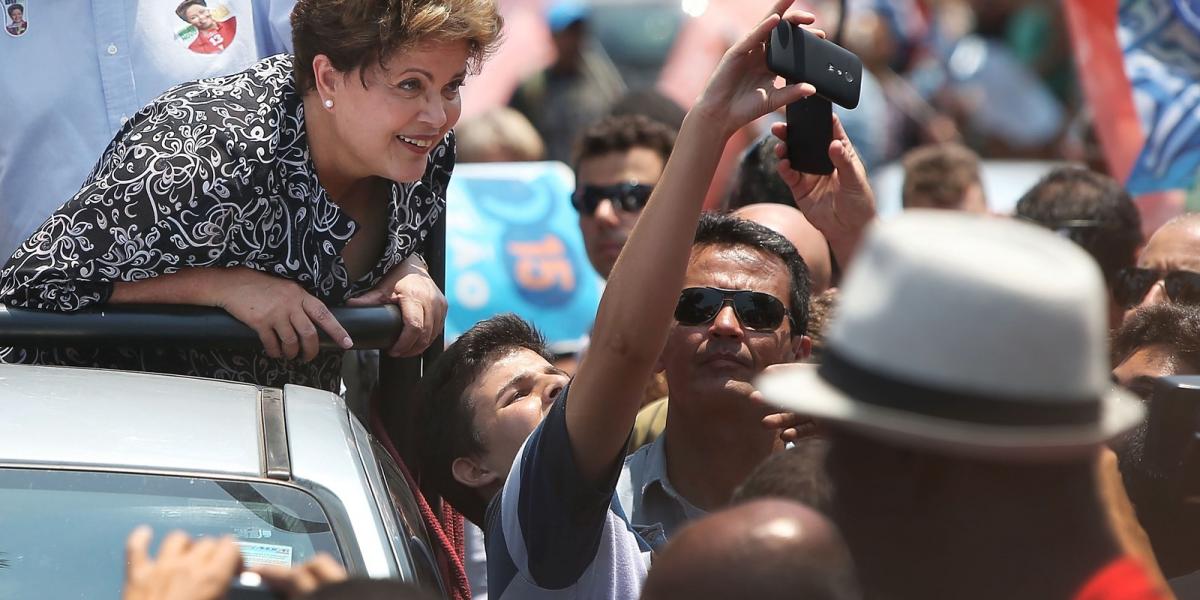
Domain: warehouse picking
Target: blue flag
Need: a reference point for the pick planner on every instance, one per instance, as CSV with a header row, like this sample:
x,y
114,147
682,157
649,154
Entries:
x,y
1161,42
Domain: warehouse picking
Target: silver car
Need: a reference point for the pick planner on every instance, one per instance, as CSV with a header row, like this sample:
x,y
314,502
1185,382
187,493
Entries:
x,y
86,455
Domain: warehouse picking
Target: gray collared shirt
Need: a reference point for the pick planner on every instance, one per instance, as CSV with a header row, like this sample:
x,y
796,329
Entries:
x,y
654,508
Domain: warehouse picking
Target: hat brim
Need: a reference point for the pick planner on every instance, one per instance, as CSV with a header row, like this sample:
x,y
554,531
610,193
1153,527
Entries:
x,y
801,389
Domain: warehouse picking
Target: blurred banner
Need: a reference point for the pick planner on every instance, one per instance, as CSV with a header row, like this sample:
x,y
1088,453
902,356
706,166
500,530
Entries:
x,y
1139,64
513,245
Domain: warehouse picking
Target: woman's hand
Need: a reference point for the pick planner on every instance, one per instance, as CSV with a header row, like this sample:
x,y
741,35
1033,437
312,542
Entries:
x,y
285,316
742,88
422,305
186,569
840,204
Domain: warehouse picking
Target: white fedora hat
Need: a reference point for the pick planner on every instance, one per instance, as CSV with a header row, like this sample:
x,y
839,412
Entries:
x,y
970,335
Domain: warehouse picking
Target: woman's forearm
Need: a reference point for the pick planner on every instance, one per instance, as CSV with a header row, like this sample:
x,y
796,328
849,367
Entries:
x,y
194,285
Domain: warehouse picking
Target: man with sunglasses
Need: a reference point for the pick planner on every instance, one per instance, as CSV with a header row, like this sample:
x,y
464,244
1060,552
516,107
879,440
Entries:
x,y
547,500
619,159
1167,270
744,307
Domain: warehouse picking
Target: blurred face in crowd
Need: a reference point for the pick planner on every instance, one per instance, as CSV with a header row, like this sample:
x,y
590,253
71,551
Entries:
x,y
710,367
1174,247
1137,374
200,17
568,44
388,127
509,399
973,200
605,231
1138,371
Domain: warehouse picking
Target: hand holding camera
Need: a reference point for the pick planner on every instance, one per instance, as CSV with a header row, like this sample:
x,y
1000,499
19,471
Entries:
x,y
742,88
819,163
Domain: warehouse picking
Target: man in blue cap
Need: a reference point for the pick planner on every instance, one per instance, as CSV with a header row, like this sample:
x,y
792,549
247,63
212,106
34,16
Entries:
x,y
576,90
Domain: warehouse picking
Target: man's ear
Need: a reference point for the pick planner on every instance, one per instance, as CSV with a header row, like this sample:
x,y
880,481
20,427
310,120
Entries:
x,y
801,348
471,473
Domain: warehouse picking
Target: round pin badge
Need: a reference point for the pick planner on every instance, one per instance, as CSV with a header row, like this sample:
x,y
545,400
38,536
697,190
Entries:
x,y
16,17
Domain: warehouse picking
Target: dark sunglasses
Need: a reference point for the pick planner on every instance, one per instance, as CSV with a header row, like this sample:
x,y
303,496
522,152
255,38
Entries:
x,y
756,310
1132,284
630,196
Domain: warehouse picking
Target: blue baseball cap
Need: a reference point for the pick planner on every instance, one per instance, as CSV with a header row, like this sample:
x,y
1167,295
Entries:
x,y
564,13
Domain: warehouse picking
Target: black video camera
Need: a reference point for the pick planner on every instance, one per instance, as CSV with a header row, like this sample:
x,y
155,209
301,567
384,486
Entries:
x,y
800,56
1163,480
1172,451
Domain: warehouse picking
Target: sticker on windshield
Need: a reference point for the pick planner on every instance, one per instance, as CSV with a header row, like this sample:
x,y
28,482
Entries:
x,y
255,554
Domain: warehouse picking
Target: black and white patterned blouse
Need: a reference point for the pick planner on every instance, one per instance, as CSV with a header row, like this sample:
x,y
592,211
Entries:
x,y
214,173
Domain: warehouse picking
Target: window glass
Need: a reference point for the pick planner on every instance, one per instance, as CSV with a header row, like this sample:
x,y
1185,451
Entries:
x,y
409,515
62,533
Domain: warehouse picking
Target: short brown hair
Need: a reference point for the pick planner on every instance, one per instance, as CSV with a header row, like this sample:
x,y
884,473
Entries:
x,y
352,33
1092,210
622,133
939,175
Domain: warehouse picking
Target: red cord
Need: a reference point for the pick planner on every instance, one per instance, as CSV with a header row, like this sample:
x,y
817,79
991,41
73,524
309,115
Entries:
x,y
448,530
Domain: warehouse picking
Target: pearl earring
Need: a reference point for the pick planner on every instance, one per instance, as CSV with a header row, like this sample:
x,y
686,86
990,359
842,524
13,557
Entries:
x,y
329,104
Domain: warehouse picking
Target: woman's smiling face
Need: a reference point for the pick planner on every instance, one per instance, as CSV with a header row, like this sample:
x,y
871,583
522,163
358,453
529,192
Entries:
x,y
390,125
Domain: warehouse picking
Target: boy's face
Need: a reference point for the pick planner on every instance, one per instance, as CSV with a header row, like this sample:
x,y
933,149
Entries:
x,y
511,397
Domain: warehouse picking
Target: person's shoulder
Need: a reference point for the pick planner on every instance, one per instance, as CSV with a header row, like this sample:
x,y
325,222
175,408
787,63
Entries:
x,y
265,83
237,114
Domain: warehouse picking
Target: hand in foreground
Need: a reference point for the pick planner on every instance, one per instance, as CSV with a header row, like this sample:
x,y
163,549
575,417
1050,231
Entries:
x,y
840,204
185,569
422,305
322,570
791,426
742,88
285,316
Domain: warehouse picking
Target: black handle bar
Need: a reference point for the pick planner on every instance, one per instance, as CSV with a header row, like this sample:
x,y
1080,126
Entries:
x,y
371,327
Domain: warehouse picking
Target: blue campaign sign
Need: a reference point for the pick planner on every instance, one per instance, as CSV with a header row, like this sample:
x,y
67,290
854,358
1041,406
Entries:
x,y
513,245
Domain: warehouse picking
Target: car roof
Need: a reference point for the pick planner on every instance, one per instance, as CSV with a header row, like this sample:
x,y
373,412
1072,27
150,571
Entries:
x,y
115,419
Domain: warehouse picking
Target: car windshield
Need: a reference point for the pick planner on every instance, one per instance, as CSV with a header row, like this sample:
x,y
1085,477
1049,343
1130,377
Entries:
x,y
62,533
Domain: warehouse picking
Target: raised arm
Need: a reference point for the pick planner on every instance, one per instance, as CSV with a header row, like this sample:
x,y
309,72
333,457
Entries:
x,y
636,310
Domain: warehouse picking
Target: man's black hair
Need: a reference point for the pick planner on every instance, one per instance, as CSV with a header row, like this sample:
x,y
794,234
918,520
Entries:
x,y
181,10
1176,326
1091,209
622,133
653,104
449,431
719,229
797,473
12,7
757,181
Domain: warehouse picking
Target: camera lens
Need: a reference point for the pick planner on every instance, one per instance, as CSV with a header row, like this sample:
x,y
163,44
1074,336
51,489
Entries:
x,y
849,77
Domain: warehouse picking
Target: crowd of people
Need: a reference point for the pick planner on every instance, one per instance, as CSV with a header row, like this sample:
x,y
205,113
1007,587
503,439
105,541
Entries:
x,y
785,397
